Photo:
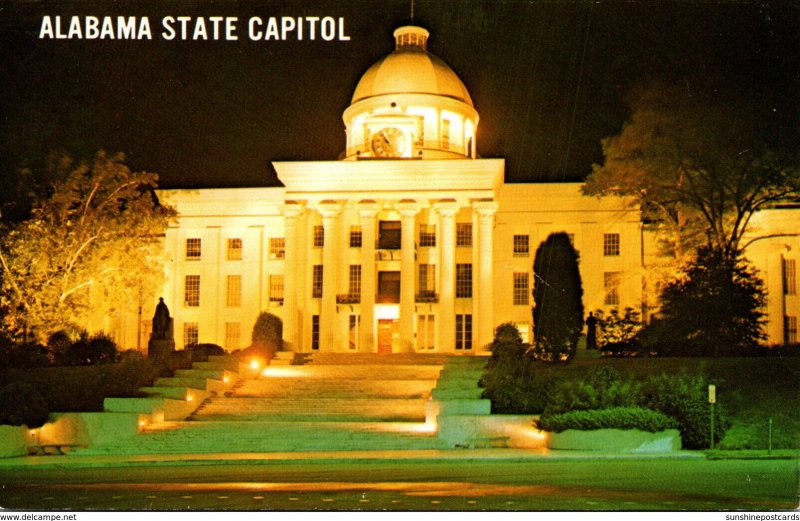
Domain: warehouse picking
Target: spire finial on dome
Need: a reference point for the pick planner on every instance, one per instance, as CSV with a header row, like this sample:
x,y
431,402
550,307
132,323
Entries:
x,y
411,36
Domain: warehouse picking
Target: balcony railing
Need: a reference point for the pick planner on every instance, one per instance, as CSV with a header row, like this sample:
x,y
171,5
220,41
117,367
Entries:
x,y
348,298
426,297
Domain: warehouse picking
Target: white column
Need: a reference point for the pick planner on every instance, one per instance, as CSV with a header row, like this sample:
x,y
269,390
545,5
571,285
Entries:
x,y
447,260
367,210
330,211
408,211
485,290
291,326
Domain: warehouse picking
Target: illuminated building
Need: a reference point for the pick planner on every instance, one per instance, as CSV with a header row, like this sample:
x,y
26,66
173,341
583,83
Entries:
x,y
409,242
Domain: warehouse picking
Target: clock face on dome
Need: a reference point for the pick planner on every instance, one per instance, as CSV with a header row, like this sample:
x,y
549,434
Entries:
x,y
389,142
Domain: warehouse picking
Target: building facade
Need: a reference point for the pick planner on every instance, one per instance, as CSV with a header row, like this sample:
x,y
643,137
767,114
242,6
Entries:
x,y
409,242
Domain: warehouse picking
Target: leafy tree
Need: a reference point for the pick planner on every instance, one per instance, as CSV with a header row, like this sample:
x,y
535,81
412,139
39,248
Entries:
x,y
617,328
699,165
89,247
558,299
713,308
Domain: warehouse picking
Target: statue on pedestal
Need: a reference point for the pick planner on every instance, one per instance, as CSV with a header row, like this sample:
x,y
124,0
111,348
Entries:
x,y
162,338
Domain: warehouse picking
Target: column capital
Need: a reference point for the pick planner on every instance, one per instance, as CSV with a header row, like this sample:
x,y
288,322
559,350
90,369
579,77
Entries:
x,y
446,207
485,207
293,208
329,208
368,208
407,207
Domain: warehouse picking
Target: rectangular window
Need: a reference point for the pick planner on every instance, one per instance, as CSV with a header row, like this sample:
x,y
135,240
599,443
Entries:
x,y
611,281
463,331
521,289
234,249
463,280
233,334
316,281
445,134
388,287
426,331
463,234
611,244
315,332
427,278
233,293
789,277
389,235
277,247
521,246
190,333
193,249
427,235
319,236
789,330
353,331
355,236
276,288
191,291
354,286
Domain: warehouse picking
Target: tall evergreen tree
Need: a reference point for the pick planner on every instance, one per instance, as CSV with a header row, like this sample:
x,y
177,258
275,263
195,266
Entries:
x,y
715,307
557,299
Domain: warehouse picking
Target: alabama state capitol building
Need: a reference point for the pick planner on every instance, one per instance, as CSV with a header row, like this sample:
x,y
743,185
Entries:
x,y
410,242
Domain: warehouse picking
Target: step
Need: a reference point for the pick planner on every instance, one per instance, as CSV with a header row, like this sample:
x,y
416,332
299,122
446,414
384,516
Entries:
x,y
335,387
217,374
199,437
193,383
312,409
381,372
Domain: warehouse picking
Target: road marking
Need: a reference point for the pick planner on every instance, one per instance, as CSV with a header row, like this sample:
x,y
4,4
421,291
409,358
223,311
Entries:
x,y
294,499
186,497
436,502
472,502
223,497
327,500
151,497
258,497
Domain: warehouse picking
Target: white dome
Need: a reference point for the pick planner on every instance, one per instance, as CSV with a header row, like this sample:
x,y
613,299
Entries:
x,y
411,69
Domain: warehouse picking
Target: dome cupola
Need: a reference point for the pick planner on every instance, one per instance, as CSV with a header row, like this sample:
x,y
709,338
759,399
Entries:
x,y
410,104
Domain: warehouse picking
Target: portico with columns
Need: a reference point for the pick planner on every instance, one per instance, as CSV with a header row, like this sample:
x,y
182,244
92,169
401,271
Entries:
x,y
363,290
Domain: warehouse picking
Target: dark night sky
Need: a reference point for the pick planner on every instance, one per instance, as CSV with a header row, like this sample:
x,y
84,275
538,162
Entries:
x,y
548,78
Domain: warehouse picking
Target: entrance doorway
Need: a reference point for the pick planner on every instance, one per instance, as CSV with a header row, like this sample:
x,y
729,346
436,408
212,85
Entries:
x,y
388,335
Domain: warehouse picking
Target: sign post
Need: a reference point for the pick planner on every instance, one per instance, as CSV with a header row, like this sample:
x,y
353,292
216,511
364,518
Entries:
x,y
712,400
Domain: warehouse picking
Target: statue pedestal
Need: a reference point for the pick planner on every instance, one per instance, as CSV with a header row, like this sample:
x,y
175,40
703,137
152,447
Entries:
x,y
160,348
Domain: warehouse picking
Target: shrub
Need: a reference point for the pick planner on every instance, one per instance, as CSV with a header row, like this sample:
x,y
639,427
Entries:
x,y
26,355
91,350
267,335
21,404
557,298
602,388
614,418
508,380
201,352
685,398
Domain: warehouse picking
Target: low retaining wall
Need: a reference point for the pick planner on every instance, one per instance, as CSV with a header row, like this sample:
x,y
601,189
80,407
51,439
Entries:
x,y
615,440
13,441
88,428
496,430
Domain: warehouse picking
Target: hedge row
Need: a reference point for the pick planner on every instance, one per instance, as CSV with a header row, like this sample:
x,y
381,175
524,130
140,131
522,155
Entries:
x,y
615,418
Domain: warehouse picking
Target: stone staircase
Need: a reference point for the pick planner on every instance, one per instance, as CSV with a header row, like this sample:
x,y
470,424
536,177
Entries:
x,y
303,402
